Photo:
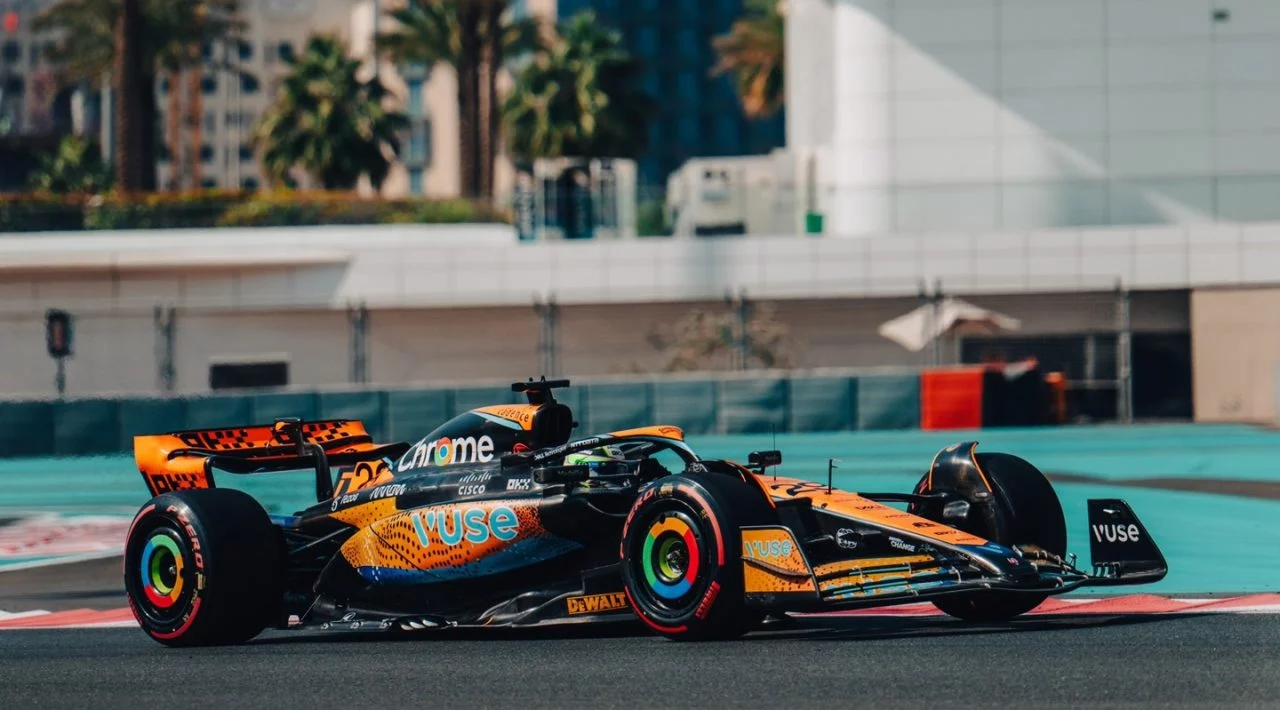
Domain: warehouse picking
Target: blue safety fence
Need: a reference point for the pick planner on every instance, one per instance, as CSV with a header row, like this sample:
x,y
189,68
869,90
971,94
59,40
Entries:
x,y
729,405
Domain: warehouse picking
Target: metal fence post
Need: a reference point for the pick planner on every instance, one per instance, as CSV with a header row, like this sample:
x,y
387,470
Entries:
x,y
358,316
934,345
164,326
1124,354
744,338
549,314
60,377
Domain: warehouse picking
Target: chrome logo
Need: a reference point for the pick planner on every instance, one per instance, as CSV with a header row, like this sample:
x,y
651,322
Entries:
x,y
671,558
446,450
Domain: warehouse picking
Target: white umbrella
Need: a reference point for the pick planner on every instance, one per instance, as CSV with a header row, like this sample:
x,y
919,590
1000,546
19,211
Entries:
x,y
952,316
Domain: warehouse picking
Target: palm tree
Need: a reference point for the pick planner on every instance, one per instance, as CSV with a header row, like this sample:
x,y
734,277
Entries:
x,y
754,52
130,72
581,98
328,121
168,36
475,38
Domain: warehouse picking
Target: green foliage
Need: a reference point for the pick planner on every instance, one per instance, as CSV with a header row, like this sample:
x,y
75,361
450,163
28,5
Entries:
x,y
227,208
579,98
40,212
329,122
754,52
274,209
160,210
76,166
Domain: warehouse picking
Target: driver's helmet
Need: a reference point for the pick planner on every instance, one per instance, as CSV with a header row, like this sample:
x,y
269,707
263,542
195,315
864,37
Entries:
x,y
602,458
601,454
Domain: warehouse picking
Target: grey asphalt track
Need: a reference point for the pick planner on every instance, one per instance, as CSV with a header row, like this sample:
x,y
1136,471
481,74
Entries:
x,y
1184,661
93,584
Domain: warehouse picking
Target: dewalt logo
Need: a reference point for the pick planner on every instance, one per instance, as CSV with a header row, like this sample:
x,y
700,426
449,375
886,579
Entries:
x,y
597,603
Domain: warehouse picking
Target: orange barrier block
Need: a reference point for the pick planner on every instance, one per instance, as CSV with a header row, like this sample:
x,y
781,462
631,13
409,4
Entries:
x,y
1058,387
951,398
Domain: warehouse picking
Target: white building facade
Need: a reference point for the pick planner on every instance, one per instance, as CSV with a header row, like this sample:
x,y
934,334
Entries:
x,y
982,115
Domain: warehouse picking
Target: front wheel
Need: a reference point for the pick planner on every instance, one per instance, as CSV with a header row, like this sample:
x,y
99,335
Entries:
x,y
682,555
1026,512
203,567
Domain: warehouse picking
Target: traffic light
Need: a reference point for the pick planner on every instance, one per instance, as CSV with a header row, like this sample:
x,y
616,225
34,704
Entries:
x,y
59,332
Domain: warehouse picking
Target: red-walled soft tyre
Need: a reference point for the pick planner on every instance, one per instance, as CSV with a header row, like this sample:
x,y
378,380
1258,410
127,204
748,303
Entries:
x,y
682,555
203,568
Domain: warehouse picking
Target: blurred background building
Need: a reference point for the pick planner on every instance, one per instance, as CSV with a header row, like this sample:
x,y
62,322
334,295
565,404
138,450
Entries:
x,y
700,115
1103,171
34,111
237,83
977,115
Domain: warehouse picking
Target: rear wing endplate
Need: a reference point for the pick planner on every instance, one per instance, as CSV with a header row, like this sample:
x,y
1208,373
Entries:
x,y
186,459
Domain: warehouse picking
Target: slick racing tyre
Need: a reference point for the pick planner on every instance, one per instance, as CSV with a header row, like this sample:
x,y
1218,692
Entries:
x,y
682,555
1027,512
203,568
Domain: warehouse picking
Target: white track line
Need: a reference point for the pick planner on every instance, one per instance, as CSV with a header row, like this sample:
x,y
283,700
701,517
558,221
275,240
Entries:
x,y
6,615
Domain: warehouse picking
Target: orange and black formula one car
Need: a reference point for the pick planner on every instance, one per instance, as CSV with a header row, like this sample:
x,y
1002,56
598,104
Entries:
x,y
501,517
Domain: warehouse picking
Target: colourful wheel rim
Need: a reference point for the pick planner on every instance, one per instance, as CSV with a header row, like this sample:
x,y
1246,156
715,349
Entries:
x,y
161,571
666,541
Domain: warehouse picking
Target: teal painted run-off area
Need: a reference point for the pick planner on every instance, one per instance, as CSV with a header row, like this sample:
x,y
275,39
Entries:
x,y
1224,537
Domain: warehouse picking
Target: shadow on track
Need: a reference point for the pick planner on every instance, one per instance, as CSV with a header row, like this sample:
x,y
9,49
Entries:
x,y
826,629
895,628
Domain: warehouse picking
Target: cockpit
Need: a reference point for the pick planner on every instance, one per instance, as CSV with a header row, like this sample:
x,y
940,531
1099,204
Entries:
x,y
488,433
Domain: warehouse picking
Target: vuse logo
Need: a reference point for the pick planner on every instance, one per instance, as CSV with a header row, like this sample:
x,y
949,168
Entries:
x,y
761,549
1115,533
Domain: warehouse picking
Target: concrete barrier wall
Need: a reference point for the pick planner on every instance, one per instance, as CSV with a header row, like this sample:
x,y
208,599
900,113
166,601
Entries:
x,y
729,405
116,353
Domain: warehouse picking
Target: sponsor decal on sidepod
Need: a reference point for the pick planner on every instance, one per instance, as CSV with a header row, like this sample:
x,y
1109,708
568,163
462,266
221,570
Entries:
x,y
762,549
475,525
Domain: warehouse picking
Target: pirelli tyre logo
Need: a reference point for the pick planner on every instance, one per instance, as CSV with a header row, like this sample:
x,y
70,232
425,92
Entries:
x,y
597,603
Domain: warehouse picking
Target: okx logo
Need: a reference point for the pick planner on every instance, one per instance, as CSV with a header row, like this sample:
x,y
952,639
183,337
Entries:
x,y
445,451
450,526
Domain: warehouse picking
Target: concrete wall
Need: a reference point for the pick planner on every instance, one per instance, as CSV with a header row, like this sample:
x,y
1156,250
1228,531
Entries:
x,y
459,266
1235,340
981,114
116,351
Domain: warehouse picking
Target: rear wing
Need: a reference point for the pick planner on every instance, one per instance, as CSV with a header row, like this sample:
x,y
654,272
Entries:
x,y
186,459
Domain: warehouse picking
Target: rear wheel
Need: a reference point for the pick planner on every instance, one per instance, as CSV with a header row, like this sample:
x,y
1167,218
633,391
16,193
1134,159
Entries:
x,y
682,555
203,567
1026,512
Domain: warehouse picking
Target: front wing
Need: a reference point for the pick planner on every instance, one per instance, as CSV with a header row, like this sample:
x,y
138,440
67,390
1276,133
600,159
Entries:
x,y
930,559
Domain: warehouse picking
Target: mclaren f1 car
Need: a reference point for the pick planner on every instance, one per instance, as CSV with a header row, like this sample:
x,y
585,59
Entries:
x,y
502,517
